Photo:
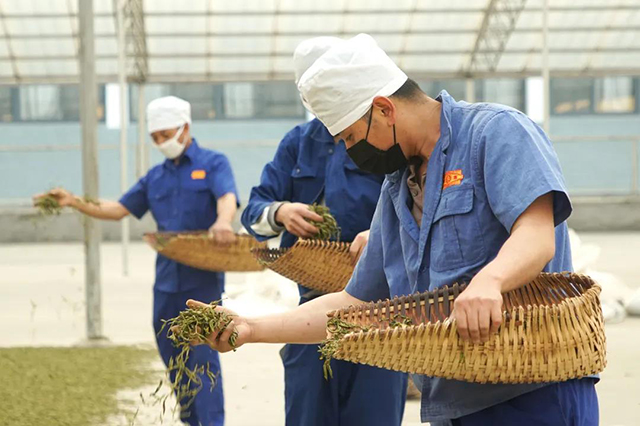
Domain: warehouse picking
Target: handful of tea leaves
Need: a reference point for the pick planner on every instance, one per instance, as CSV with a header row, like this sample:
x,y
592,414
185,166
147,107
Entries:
x,y
48,205
340,328
328,228
193,324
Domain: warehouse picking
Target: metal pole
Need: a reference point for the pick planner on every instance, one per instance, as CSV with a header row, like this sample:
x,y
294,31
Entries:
x,y
470,91
545,66
122,82
88,120
143,160
634,171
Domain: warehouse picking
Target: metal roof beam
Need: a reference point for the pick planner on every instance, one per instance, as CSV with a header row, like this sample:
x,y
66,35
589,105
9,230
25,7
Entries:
x,y
497,25
11,57
262,55
374,32
275,29
254,13
602,35
74,25
248,77
407,33
136,39
135,43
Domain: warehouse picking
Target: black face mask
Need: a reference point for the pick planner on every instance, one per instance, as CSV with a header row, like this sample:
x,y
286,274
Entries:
x,y
373,160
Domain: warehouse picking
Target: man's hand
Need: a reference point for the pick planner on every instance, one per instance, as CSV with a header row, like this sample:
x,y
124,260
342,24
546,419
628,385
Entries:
x,y
62,196
219,340
358,245
222,233
531,245
293,215
478,310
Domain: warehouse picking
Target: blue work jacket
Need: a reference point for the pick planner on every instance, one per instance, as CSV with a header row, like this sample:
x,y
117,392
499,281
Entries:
x,y
183,197
489,164
309,167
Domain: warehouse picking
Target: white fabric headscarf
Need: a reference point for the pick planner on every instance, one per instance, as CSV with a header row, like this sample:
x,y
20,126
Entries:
x,y
168,112
307,52
340,86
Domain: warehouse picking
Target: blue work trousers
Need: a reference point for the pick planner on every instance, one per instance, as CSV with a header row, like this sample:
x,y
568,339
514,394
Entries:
x,y
208,407
570,403
357,395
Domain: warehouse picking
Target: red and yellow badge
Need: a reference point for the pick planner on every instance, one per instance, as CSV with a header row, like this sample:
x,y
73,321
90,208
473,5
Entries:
x,y
452,178
198,174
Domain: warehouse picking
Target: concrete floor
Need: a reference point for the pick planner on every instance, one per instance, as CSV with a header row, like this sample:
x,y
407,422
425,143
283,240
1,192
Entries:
x,y
41,303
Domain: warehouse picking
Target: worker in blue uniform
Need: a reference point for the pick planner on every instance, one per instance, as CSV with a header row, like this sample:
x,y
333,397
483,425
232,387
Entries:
x,y
193,189
310,167
473,193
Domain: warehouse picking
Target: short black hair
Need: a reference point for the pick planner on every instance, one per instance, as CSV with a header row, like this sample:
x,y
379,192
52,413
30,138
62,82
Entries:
x,y
409,90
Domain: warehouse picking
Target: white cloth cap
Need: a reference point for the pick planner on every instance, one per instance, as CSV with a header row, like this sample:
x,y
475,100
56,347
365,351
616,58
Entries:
x,y
308,51
167,112
340,86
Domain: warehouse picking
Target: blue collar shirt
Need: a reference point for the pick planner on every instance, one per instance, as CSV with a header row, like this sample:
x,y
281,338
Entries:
x,y
183,197
310,167
489,164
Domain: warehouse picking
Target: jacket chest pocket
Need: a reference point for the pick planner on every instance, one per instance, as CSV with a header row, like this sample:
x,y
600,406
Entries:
x,y
456,239
197,204
307,183
160,204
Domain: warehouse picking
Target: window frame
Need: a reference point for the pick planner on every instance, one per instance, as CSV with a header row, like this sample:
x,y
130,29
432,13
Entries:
x,y
218,102
592,107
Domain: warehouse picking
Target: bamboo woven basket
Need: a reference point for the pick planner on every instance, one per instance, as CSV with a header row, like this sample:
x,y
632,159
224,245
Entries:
x,y
552,330
196,249
320,265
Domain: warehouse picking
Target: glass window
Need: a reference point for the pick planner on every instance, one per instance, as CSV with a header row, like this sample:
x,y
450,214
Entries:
x,y
238,100
277,99
40,103
70,103
614,95
456,88
151,92
52,103
501,91
571,95
6,111
201,97
242,100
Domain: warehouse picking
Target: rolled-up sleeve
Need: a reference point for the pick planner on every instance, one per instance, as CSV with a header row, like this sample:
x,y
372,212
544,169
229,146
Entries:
x,y
221,179
518,164
136,200
275,185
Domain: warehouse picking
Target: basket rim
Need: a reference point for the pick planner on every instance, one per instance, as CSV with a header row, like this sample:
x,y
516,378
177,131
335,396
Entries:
x,y
559,336
508,314
280,253
160,240
173,234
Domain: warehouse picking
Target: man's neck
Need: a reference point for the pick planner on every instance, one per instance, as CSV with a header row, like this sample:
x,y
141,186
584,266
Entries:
x,y
427,128
423,128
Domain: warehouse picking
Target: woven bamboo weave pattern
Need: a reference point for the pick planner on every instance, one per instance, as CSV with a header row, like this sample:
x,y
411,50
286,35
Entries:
x,y
552,330
320,265
196,249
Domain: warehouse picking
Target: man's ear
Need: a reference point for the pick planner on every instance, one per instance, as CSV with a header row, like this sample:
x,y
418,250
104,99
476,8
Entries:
x,y
387,108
